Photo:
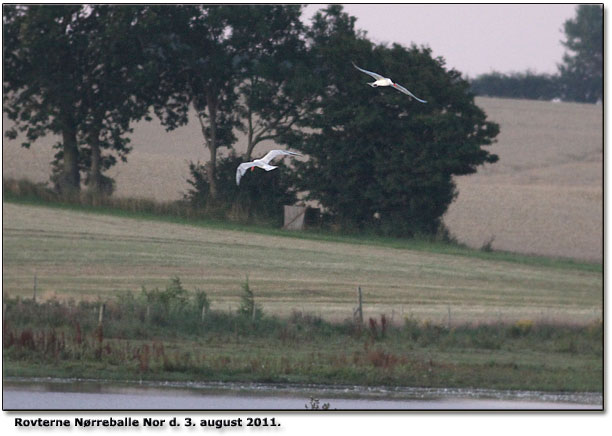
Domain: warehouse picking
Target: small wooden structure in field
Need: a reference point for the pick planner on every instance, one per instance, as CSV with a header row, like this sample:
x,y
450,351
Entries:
x,y
300,217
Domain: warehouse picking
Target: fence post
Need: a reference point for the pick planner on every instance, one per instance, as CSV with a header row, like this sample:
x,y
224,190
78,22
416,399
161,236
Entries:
x,y
360,307
253,313
101,314
34,297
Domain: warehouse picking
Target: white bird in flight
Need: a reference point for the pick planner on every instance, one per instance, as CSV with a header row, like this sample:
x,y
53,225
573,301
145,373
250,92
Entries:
x,y
385,81
264,163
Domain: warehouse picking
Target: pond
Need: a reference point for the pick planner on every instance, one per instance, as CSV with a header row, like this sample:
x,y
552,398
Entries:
x,y
70,394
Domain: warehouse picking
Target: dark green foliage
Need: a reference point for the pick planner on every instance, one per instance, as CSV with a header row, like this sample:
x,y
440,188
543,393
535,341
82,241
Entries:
x,y
259,197
166,306
582,69
41,77
378,159
204,44
248,307
518,85
237,65
271,67
79,72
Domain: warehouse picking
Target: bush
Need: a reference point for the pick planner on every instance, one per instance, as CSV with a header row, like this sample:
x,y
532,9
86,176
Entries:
x,y
260,197
171,305
26,188
518,85
248,308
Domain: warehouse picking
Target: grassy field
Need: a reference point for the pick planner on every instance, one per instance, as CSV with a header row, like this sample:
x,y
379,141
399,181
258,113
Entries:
x,y
162,335
435,315
78,254
544,196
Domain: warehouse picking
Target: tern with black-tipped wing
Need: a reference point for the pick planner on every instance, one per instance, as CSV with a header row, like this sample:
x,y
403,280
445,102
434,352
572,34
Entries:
x,y
263,162
385,81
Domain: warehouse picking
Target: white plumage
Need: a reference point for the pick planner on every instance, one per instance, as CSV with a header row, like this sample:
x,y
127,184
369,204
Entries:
x,y
385,81
264,163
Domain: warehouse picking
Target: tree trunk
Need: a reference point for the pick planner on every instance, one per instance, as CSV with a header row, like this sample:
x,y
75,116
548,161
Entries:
x,y
212,145
95,172
212,173
70,180
250,144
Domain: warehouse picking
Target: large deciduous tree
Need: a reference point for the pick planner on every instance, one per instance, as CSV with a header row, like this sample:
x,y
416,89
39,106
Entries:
x,y
119,80
42,77
266,68
80,72
238,67
200,60
378,159
271,49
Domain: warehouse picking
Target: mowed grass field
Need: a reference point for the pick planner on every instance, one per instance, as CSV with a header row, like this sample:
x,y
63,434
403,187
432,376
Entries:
x,y
544,196
79,254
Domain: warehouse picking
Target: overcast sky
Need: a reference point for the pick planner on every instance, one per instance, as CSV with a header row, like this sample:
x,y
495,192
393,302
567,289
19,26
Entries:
x,y
474,39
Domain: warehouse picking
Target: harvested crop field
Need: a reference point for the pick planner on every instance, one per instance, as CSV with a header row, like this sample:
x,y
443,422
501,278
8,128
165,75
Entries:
x,y
78,255
544,196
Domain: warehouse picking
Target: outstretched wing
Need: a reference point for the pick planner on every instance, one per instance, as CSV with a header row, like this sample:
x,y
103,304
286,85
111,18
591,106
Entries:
x,y
273,153
374,75
405,91
242,169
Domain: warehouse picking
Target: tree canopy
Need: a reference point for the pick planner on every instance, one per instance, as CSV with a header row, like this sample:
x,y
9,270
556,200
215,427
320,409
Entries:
x,y
527,85
582,68
80,72
375,158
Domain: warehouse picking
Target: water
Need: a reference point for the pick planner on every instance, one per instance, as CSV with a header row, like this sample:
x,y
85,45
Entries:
x,y
54,394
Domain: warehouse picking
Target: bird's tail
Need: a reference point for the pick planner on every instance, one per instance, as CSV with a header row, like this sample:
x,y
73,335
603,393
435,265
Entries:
x,y
269,167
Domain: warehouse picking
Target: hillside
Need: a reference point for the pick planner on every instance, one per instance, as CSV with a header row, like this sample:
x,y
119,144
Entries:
x,y
76,254
544,196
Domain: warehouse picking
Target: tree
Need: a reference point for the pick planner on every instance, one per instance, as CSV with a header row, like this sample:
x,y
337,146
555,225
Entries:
x,y
271,72
117,85
237,67
200,60
517,85
259,198
41,85
80,72
582,68
376,158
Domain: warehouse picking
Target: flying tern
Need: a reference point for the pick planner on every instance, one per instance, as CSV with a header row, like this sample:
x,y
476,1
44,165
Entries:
x,y
264,163
385,81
